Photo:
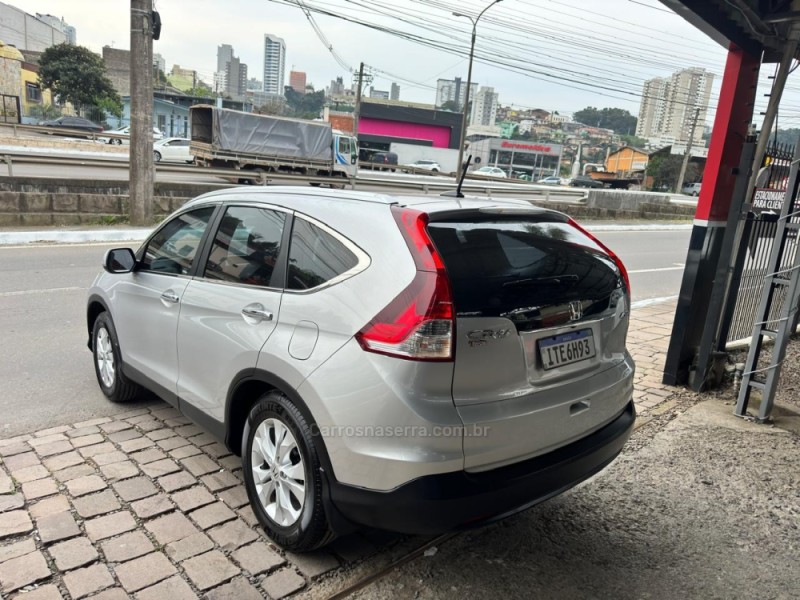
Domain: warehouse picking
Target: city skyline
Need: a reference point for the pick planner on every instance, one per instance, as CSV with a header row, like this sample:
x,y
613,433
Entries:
x,y
571,82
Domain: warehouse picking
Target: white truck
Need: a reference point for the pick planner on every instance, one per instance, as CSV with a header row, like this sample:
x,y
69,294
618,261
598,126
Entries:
x,y
230,139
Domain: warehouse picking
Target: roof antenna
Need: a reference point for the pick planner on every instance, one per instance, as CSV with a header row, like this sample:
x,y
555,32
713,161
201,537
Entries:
x,y
457,192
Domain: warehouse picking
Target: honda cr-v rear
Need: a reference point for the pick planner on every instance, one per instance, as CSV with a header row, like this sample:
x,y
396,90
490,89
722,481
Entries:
x,y
413,364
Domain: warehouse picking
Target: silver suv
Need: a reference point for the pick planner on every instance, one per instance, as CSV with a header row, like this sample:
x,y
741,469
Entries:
x,y
413,364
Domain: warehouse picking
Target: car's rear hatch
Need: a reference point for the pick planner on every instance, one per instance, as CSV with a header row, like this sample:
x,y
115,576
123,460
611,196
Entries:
x,y
541,318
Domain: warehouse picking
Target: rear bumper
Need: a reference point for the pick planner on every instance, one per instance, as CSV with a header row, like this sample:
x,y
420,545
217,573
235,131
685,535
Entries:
x,y
458,500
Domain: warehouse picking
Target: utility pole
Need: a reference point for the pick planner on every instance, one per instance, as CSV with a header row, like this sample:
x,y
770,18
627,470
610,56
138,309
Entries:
x,y
357,111
688,154
141,148
464,108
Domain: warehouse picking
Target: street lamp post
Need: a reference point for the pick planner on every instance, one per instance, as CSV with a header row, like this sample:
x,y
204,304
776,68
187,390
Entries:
x,y
469,82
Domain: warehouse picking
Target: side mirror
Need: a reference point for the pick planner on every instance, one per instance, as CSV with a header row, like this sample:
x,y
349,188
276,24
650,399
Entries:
x,y
119,260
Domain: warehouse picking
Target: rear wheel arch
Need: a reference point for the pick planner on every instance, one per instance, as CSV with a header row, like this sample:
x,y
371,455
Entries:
x,y
244,393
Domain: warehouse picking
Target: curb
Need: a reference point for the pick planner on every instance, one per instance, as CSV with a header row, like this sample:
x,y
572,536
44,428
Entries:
x,y
73,237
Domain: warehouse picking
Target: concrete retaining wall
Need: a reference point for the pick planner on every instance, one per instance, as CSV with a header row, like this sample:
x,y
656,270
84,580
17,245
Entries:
x,y
627,201
30,201
35,201
57,143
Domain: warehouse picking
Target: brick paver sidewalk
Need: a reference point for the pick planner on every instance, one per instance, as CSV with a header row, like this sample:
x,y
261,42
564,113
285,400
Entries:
x,y
146,505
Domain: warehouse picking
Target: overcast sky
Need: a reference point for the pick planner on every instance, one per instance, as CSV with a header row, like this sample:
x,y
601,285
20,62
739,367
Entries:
x,y
555,54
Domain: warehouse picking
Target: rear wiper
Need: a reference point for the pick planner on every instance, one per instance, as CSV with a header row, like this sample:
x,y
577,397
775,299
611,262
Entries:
x,y
557,279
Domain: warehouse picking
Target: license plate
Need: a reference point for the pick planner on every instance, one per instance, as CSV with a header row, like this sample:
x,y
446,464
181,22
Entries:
x,y
566,348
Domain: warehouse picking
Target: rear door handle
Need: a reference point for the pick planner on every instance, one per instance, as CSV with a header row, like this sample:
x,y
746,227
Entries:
x,y
257,312
170,296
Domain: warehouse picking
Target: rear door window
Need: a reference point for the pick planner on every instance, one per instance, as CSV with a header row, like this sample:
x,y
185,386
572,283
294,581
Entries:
x,y
520,269
316,256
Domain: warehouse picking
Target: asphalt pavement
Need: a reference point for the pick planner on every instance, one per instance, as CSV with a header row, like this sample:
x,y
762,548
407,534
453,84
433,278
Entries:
x,y
45,366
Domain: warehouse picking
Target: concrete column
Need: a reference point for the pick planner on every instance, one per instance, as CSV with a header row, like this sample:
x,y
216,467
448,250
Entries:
x,y
734,114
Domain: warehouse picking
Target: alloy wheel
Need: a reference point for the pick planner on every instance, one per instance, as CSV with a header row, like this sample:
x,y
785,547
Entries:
x,y
105,357
278,472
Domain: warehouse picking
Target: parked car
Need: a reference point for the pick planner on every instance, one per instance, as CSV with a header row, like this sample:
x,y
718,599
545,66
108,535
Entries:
x,y
585,181
125,132
424,165
77,123
491,172
550,180
375,360
385,158
172,149
693,189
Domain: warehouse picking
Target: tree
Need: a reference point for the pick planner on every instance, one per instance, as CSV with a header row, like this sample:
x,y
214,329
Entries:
x,y
632,140
787,136
201,92
450,105
304,106
664,169
77,75
616,119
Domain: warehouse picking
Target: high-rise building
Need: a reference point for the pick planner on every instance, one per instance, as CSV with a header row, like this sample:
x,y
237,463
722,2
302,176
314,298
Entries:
x,y
255,85
337,87
274,64
224,56
230,77
236,78
61,25
159,63
453,90
382,94
297,79
484,107
670,105
394,94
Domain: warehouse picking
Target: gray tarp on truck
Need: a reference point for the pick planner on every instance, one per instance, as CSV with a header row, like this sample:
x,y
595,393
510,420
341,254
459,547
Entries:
x,y
247,133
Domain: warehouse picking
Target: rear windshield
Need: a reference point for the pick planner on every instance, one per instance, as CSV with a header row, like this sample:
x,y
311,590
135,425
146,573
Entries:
x,y
523,269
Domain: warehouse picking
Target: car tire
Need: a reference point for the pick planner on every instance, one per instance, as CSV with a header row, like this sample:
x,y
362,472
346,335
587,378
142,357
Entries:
x,y
156,156
108,362
294,523
117,141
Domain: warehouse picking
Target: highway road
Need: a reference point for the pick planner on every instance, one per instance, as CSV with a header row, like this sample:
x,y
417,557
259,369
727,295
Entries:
x,y
46,368
118,171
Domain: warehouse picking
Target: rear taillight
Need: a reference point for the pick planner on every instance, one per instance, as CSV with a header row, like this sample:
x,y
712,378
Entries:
x,y
623,271
419,323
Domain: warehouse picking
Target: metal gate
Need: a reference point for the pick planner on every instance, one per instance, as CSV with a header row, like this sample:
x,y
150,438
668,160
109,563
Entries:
x,y
10,109
758,237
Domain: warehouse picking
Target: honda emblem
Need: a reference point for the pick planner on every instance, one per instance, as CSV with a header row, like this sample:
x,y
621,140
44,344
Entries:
x,y
575,310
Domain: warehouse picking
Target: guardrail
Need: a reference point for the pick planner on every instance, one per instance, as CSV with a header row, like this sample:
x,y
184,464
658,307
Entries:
x,y
434,185
66,131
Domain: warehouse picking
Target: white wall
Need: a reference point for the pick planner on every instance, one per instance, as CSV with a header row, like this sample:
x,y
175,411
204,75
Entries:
x,y
408,153
26,32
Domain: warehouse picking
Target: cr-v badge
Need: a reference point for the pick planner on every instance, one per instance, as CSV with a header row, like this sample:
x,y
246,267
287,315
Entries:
x,y
479,337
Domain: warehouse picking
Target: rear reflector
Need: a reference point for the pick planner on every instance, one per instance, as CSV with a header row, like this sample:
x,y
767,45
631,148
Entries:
x,y
419,323
623,271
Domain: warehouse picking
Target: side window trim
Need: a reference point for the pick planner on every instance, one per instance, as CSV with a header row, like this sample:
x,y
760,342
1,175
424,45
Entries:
x,y
208,239
363,260
280,273
204,240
